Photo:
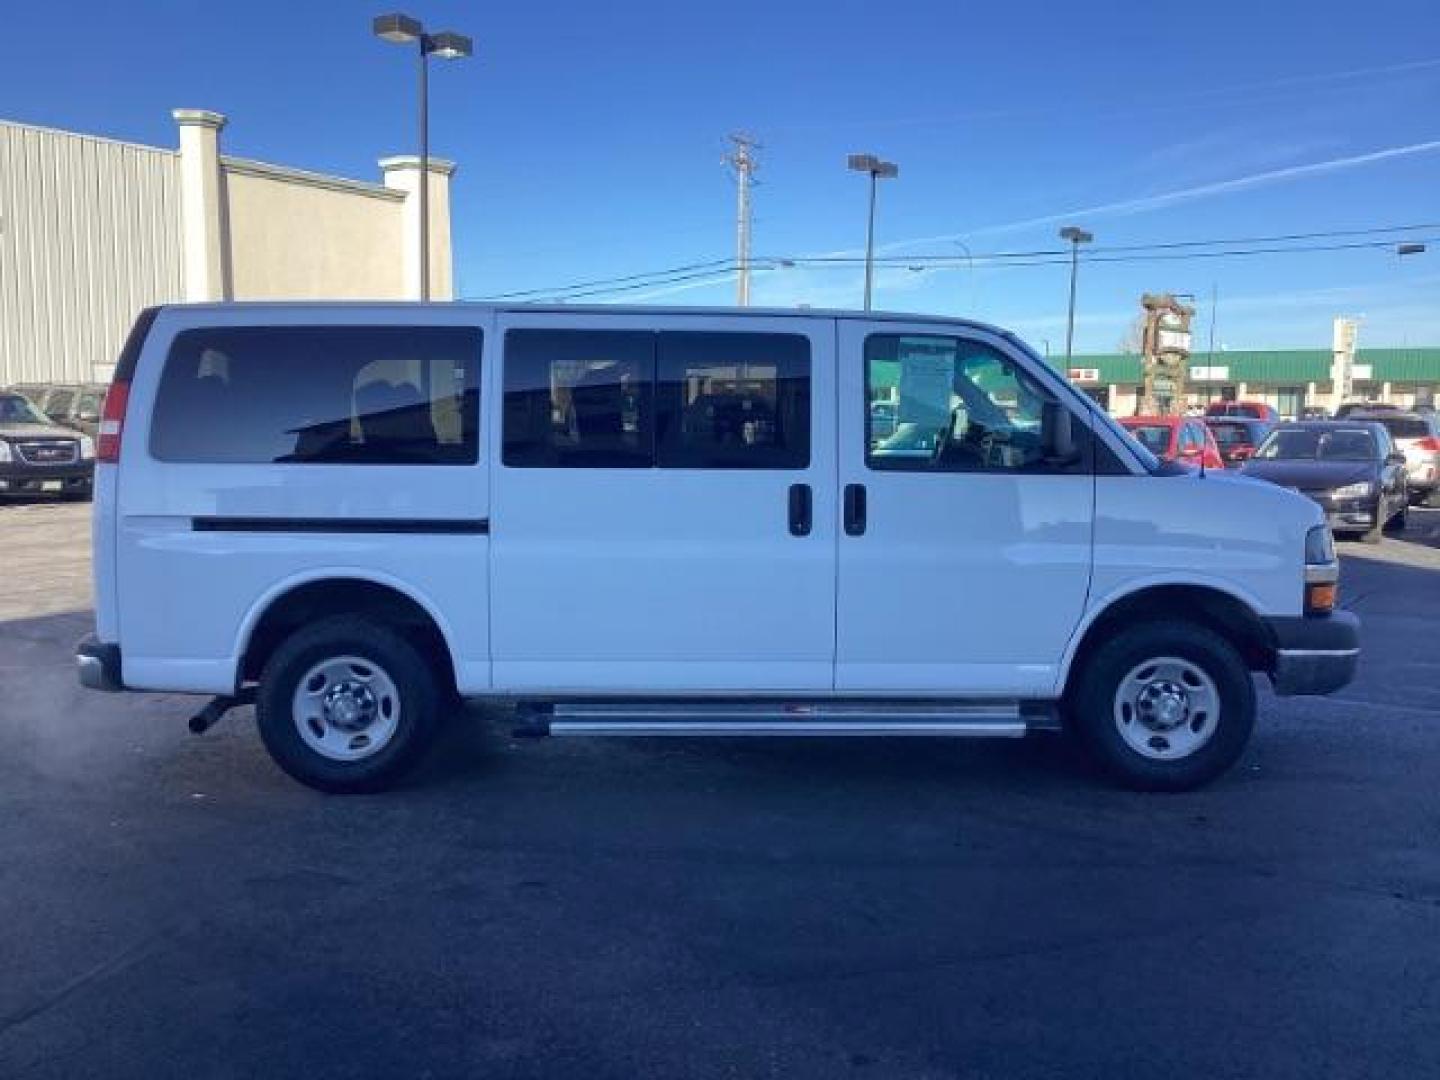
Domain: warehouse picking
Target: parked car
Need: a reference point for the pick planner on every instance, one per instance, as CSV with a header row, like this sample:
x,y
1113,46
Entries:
x,y
355,513
1256,410
1417,435
1343,411
39,456
1238,436
1351,468
76,407
1183,439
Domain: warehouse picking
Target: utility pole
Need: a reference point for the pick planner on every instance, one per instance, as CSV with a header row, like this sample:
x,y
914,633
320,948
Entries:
x,y
742,159
1214,304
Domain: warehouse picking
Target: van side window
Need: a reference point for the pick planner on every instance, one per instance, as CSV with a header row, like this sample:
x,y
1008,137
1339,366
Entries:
x,y
579,399
320,395
947,404
733,401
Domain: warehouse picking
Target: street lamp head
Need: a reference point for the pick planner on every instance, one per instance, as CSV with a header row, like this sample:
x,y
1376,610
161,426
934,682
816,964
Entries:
x,y
1409,249
397,28
1076,235
448,45
869,163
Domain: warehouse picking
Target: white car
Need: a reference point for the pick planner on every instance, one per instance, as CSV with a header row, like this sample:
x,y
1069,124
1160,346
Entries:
x,y
1417,436
668,521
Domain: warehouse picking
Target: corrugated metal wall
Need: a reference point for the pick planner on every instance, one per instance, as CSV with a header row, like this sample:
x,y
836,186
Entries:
x,y
89,234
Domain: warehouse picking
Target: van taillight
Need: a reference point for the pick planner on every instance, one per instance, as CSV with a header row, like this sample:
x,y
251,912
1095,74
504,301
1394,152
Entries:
x,y
112,423
1429,444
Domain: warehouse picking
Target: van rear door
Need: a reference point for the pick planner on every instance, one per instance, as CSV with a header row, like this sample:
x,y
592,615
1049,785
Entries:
x,y
270,446
664,504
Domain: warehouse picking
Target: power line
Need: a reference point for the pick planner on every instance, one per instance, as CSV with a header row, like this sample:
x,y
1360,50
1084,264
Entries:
x,y
555,290
919,257
1159,251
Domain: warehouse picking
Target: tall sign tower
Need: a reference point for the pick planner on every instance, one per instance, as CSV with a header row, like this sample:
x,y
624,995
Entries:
x,y
1165,353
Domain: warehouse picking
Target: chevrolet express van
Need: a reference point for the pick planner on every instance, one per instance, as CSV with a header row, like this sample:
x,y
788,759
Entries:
x,y
632,521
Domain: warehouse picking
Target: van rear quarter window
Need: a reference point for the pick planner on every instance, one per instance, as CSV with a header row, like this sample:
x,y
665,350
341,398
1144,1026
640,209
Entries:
x,y
320,395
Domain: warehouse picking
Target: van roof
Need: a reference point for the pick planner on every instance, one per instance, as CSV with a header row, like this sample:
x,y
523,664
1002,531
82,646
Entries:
x,y
605,309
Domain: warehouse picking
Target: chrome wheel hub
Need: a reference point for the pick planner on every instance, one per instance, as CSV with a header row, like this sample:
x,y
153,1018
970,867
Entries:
x,y
346,708
1167,708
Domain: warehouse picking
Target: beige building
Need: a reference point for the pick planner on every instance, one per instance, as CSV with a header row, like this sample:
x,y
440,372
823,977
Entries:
x,y
92,230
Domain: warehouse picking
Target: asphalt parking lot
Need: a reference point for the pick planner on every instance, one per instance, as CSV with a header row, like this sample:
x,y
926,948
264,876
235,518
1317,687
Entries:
x,y
172,905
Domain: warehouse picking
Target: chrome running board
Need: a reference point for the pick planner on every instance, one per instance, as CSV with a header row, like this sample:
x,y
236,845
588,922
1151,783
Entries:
x,y
730,720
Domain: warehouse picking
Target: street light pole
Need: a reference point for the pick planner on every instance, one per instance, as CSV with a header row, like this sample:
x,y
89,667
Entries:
x,y
870,245
1076,236
878,170
447,45
424,172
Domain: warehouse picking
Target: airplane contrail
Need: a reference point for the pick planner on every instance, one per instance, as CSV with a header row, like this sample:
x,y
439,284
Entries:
x,y
1201,191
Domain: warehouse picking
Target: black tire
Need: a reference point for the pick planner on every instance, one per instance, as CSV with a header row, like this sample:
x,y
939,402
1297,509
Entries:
x,y
1375,533
1091,705
1399,521
345,635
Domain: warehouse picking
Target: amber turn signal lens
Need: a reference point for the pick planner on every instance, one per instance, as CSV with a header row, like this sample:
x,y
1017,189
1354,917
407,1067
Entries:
x,y
1320,598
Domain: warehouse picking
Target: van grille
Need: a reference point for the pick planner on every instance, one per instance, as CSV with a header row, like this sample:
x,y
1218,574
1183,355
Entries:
x,y
48,451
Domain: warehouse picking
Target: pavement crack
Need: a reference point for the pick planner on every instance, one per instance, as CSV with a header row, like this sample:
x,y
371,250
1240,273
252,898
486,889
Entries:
x,y
101,971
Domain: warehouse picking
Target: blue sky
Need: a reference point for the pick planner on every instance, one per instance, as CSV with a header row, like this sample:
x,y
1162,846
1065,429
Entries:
x,y
590,137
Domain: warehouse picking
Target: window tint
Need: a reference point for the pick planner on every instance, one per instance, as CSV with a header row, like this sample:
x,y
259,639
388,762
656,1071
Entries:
x,y
579,398
1154,437
1230,434
960,406
1344,444
90,403
733,401
58,402
15,409
1405,427
373,395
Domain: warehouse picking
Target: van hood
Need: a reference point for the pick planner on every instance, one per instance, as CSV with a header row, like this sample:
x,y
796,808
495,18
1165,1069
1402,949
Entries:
x,y
20,432
1309,475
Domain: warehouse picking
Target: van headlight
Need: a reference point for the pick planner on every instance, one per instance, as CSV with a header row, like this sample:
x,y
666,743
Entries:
x,y
87,447
6,454
1354,491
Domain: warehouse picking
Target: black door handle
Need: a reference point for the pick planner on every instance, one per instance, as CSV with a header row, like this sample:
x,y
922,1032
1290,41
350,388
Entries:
x,y
854,509
801,510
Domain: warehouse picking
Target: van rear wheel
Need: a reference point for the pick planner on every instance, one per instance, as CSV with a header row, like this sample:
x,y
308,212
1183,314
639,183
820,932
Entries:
x,y
1164,706
346,705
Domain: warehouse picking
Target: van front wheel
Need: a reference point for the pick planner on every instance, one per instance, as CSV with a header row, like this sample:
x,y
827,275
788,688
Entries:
x,y
346,705
1164,706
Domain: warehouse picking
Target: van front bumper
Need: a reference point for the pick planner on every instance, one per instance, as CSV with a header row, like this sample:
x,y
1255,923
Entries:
x,y
1315,654
97,664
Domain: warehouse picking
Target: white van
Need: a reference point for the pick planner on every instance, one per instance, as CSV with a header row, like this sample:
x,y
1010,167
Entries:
x,y
668,521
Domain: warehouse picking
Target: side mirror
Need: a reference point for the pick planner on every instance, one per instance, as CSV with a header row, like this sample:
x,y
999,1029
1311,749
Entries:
x,y
1057,432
